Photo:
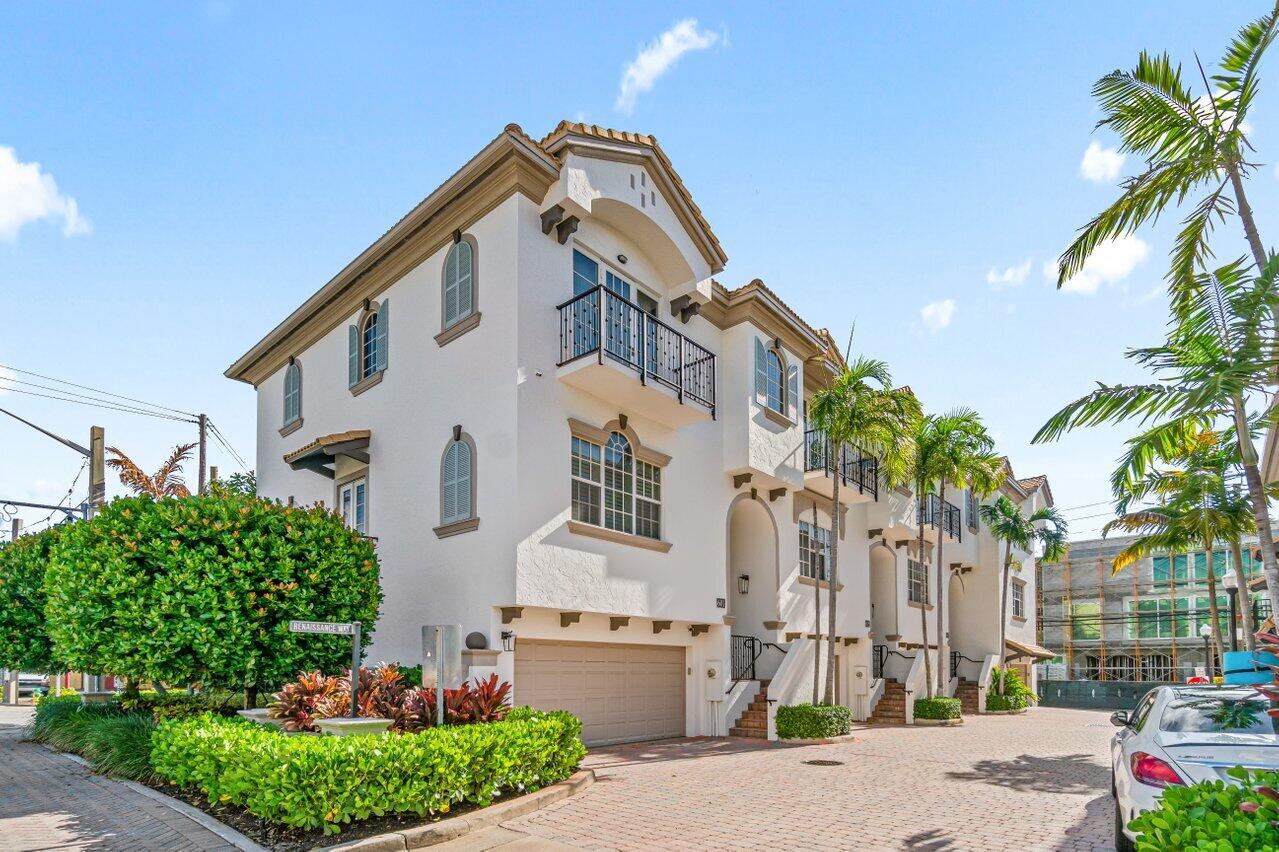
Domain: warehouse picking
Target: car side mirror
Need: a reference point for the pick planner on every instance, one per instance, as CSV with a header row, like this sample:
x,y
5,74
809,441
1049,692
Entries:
x,y
1119,718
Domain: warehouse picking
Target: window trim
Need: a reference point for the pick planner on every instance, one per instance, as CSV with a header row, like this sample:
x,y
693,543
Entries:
x,y
368,378
353,480
460,326
1016,596
805,528
599,437
923,567
291,426
460,525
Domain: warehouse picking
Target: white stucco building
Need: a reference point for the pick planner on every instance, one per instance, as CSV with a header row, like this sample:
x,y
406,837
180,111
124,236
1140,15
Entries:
x,y
568,437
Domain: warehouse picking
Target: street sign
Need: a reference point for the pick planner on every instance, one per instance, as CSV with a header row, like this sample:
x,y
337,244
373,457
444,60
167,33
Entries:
x,y
338,628
333,628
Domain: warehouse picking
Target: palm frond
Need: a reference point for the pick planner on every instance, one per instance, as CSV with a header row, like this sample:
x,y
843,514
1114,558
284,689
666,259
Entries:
x,y
131,476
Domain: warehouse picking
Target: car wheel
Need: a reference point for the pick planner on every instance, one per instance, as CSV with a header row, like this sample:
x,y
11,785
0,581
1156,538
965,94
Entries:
x,y
1122,843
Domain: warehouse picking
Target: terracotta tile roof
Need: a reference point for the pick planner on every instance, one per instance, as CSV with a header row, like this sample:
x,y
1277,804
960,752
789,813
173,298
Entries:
x,y
1030,483
647,141
328,440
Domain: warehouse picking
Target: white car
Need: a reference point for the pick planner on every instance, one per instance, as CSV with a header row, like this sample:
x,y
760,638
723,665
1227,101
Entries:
x,y
1182,735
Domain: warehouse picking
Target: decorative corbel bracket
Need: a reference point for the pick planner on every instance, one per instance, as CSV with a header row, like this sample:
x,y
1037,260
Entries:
x,y
617,622
567,618
510,613
659,626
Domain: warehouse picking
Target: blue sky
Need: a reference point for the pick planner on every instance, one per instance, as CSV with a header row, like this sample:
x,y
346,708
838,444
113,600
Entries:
x,y
174,180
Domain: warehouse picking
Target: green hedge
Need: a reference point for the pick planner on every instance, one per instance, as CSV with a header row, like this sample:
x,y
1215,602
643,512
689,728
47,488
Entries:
x,y
114,742
938,708
1208,815
813,722
312,782
24,638
994,701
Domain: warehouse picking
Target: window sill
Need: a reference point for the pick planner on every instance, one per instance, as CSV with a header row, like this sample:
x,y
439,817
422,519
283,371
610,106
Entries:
x,y
289,428
367,382
1019,619
918,605
823,584
777,417
457,329
457,528
604,534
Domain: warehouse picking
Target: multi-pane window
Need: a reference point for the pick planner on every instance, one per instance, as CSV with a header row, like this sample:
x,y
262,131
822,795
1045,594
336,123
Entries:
x,y
609,483
971,504
1193,568
1019,600
814,551
455,483
459,289
292,393
368,347
916,581
775,384
353,502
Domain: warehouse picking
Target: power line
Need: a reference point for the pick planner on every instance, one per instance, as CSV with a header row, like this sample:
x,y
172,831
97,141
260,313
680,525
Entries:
x,y
63,394
222,439
96,390
101,405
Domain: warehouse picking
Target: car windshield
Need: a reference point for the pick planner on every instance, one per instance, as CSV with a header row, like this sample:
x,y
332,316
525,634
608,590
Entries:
x,y
1211,714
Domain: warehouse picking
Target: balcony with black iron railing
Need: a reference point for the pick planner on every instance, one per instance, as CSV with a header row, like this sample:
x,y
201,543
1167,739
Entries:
x,y
612,348
940,515
858,471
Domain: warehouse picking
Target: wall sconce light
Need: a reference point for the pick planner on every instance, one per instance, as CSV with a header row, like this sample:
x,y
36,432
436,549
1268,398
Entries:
x,y
508,640
744,584
621,258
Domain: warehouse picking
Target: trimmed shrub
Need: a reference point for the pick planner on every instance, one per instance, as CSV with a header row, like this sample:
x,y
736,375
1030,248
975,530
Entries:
x,y
938,708
24,637
114,742
994,701
1214,815
813,722
202,589
175,705
310,782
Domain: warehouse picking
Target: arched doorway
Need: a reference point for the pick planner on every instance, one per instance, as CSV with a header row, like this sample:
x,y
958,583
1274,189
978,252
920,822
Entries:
x,y
752,565
964,663
883,593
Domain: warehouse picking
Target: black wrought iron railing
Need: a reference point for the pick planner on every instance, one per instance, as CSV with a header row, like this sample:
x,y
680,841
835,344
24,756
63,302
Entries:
x,y
858,469
599,322
940,514
745,651
952,521
878,654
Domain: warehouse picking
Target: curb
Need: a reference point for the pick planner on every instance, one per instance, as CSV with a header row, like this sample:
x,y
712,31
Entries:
x,y
1020,712
448,829
940,723
842,738
197,816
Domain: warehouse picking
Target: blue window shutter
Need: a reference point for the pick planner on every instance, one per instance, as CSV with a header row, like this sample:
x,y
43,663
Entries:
x,y
383,334
352,355
761,370
792,392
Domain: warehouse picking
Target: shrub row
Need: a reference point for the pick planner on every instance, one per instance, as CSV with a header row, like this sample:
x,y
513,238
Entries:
x,y
938,708
313,782
1214,815
115,742
995,701
813,722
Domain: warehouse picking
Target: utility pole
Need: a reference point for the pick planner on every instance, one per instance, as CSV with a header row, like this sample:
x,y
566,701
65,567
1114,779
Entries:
x,y
16,529
204,426
97,469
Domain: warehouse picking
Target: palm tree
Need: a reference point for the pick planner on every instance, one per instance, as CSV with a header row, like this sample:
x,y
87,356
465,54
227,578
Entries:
x,y
165,482
1006,523
860,408
1190,144
965,456
1219,352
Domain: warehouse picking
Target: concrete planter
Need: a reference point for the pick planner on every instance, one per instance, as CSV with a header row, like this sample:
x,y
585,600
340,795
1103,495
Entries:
x,y
1020,712
97,697
842,738
940,723
259,715
347,727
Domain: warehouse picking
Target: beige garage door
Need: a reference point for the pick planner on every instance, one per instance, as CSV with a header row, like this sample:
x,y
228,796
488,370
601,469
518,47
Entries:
x,y
622,693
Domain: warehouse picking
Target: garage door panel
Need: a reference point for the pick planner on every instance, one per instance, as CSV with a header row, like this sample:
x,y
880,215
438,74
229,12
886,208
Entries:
x,y
620,692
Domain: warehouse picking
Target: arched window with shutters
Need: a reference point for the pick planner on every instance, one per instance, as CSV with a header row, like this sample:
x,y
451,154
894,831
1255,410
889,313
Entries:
x,y
458,289
776,382
292,393
368,342
457,487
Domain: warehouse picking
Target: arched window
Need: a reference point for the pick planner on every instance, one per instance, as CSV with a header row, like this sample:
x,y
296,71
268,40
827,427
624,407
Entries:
x,y
459,283
368,346
610,484
775,386
367,350
292,393
457,478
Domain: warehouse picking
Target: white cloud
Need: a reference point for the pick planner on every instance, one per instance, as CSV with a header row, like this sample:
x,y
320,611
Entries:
x,y
937,315
1101,165
658,57
1009,277
29,194
1111,262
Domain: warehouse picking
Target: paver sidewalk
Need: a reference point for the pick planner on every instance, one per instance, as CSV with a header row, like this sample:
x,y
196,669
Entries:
x,y
50,802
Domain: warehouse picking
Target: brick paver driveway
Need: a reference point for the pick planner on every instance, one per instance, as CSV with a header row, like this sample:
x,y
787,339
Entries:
x,y
48,801
1039,781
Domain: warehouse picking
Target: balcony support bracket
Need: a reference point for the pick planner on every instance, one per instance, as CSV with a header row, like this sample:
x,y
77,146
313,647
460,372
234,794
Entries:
x,y
551,217
659,626
617,622
875,533
741,479
696,630
567,618
510,613
776,494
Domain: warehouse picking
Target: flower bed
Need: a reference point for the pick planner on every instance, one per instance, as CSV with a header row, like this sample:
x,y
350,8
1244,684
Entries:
x,y
938,708
326,782
813,722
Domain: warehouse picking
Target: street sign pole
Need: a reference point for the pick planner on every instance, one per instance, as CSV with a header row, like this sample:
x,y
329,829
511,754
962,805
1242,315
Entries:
x,y
355,667
336,628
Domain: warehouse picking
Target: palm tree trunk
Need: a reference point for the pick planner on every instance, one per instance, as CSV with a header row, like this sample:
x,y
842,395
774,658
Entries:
x,y
943,663
1256,491
814,549
1245,216
1242,596
923,608
834,580
1003,612
1213,612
